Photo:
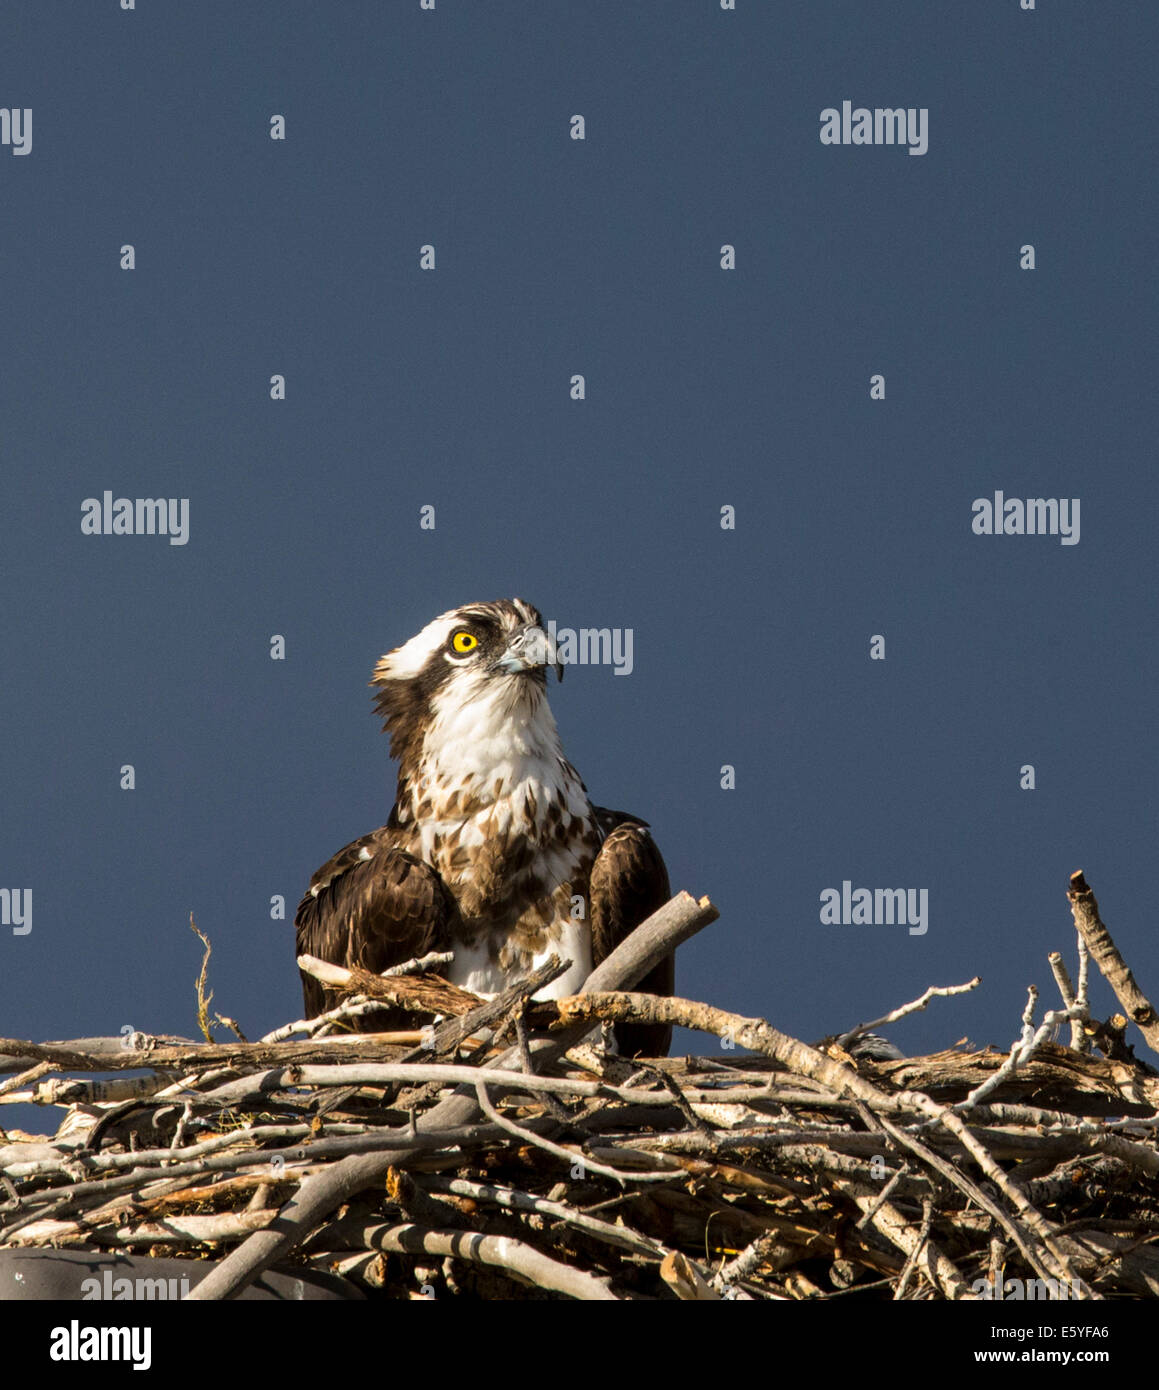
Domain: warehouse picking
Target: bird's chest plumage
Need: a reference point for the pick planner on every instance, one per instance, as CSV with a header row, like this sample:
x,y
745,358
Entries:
x,y
516,856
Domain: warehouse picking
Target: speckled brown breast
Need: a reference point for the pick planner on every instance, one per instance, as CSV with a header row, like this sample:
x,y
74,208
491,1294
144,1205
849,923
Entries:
x,y
513,865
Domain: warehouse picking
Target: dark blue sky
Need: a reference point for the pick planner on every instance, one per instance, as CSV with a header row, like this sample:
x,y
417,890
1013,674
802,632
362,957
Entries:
x,y
705,387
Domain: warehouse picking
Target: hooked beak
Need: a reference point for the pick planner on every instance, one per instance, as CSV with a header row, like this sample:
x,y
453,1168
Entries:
x,y
529,649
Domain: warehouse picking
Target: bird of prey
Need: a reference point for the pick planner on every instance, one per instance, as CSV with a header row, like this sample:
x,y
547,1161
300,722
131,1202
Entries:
x,y
492,849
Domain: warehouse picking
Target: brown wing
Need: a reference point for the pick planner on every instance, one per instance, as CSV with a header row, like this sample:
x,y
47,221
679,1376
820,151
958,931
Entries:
x,y
628,883
373,906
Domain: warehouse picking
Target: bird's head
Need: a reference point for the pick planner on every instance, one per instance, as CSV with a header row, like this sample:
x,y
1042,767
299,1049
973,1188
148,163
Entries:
x,y
468,676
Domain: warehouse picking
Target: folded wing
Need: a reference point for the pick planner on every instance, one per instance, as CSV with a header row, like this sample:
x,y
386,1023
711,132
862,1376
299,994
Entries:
x,y
372,906
629,882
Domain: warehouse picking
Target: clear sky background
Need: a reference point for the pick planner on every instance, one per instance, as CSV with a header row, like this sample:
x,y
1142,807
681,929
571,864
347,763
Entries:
x,y
705,388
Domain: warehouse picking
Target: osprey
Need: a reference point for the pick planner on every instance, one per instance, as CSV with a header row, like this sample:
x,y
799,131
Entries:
x,y
492,849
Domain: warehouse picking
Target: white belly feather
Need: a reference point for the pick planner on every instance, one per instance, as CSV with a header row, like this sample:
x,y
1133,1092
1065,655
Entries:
x,y
476,968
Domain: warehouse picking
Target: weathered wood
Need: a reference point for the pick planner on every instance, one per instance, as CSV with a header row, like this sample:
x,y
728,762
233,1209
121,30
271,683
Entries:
x,y
418,993
1105,954
479,1170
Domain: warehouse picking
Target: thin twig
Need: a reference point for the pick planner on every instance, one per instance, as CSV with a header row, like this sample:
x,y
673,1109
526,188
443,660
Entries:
x,y
915,1006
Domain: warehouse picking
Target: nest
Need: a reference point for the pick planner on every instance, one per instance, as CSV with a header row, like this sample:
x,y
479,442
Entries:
x,y
510,1153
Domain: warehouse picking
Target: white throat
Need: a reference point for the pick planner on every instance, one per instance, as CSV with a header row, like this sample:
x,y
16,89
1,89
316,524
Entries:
x,y
487,737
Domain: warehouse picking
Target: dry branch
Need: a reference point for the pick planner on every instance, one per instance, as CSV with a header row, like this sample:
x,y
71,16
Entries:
x,y
420,993
521,1260
913,1007
1106,956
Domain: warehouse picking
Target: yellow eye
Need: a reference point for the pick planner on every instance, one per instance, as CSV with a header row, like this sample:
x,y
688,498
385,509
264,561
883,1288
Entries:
x,y
464,642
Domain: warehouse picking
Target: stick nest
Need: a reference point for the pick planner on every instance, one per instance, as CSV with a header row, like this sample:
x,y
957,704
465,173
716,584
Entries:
x,y
509,1153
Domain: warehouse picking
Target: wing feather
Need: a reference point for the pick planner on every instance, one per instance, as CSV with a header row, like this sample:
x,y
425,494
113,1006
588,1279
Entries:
x,y
629,882
372,905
